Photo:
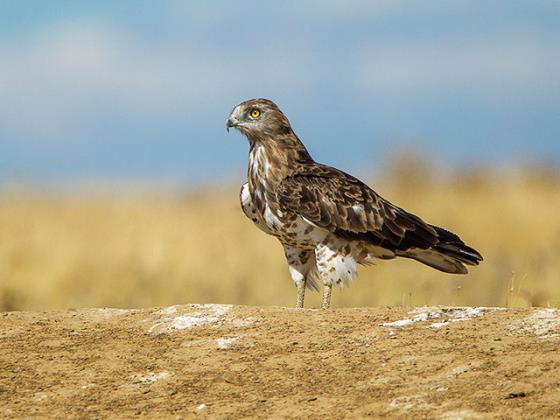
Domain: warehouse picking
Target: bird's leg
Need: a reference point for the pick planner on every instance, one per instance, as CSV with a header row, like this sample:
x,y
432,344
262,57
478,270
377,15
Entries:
x,y
327,289
300,294
299,264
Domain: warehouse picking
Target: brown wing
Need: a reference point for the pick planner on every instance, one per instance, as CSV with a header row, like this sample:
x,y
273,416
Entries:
x,y
340,203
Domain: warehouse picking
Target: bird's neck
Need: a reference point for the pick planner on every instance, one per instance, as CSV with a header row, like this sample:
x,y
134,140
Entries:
x,y
272,160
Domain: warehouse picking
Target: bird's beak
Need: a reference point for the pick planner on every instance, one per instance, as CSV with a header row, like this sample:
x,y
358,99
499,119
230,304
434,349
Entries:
x,y
234,119
230,123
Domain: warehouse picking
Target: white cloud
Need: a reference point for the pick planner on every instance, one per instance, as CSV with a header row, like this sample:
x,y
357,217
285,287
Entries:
x,y
486,66
52,81
48,82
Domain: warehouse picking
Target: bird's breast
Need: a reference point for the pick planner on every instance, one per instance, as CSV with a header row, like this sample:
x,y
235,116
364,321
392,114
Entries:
x,y
264,177
290,228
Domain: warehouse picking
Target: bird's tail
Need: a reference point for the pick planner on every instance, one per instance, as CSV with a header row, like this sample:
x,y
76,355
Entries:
x,y
450,254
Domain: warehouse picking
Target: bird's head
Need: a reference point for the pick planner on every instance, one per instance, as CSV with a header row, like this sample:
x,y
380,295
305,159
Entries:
x,y
258,120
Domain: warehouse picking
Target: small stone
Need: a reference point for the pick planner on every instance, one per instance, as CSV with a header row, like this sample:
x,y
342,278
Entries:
x,y
516,395
200,407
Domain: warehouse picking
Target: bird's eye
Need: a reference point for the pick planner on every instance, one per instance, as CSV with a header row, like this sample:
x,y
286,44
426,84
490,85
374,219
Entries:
x,y
255,113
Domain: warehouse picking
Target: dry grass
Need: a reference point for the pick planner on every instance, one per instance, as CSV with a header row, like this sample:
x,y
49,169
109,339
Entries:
x,y
74,250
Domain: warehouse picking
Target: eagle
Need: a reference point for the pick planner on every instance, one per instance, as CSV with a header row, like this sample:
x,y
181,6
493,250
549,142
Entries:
x,y
328,221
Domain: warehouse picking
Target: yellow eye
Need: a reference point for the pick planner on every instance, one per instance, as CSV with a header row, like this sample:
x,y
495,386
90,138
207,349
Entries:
x,y
255,113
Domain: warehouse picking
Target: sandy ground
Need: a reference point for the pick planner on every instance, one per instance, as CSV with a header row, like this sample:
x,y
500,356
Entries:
x,y
220,361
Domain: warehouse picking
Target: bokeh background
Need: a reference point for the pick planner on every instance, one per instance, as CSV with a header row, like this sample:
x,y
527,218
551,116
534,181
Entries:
x,y
119,185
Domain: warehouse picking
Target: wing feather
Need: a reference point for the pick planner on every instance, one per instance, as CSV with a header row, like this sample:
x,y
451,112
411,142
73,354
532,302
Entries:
x,y
340,203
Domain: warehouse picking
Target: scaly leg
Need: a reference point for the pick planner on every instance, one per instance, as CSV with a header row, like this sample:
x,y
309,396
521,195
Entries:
x,y
300,264
300,294
327,288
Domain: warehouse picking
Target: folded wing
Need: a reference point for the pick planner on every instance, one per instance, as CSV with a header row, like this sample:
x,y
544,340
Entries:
x,y
342,204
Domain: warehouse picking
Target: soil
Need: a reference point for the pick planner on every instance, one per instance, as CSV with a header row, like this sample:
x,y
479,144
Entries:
x,y
220,361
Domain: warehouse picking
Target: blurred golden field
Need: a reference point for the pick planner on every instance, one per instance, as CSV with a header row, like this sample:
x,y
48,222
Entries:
x,y
64,250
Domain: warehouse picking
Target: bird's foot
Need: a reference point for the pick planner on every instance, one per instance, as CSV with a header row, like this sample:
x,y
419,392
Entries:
x,y
327,289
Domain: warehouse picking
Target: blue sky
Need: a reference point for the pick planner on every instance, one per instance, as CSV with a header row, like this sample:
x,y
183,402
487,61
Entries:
x,y
119,91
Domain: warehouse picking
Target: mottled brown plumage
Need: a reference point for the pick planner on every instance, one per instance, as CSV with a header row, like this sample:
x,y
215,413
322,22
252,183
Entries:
x,y
328,221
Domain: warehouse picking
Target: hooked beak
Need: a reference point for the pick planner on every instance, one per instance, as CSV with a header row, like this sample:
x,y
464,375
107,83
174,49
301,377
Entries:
x,y
230,123
234,119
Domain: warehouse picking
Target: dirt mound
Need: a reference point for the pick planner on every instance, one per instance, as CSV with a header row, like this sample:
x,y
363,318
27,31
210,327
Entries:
x,y
225,361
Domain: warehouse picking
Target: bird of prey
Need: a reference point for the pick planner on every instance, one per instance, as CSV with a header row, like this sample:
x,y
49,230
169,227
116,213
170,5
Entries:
x,y
328,221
